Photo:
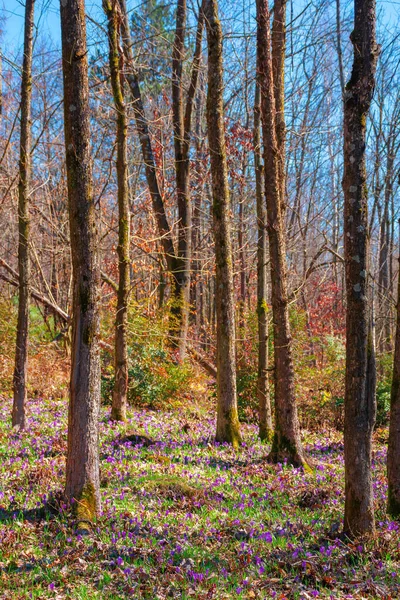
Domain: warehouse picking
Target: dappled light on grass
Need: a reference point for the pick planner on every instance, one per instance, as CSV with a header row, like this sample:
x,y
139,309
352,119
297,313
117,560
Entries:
x,y
185,517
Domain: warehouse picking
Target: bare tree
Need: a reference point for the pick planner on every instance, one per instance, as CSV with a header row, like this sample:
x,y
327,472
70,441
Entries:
x,y
182,124
177,258
278,44
227,415
360,406
393,463
286,442
264,400
21,351
82,469
119,400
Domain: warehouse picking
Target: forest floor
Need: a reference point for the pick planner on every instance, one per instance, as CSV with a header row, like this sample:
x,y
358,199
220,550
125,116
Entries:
x,y
185,517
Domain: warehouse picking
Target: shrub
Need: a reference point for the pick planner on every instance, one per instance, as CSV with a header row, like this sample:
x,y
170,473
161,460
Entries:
x,y
155,378
246,382
382,402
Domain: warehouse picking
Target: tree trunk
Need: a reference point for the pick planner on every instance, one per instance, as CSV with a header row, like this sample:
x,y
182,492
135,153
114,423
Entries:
x,y
286,442
119,397
227,415
82,469
181,279
21,351
278,42
178,261
393,462
263,395
182,122
339,46
385,307
359,394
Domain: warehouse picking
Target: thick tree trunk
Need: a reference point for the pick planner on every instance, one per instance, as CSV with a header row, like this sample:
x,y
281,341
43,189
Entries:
x,y
393,462
227,415
359,394
286,442
119,396
263,395
21,350
82,469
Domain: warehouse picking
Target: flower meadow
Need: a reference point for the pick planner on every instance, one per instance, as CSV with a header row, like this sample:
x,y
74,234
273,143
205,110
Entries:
x,y
183,517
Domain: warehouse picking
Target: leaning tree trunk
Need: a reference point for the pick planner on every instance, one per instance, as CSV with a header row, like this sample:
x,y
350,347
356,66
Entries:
x,y
286,441
227,415
359,394
82,469
21,350
119,396
393,462
263,395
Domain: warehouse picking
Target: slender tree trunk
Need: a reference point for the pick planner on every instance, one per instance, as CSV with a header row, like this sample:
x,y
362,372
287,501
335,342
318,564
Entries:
x,y
278,43
359,394
119,397
178,260
82,469
286,442
181,281
339,46
21,351
182,120
264,401
227,415
242,276
143,131
241,334
393,462
197,286
384,258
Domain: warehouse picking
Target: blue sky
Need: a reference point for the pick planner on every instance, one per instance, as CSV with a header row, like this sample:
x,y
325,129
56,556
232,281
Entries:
x,y
12,12
47,11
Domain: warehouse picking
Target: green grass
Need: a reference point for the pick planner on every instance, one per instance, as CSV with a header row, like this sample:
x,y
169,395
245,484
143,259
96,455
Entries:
x,y
184,518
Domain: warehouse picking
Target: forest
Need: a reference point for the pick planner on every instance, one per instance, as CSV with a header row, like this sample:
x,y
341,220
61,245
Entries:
x,y
199,299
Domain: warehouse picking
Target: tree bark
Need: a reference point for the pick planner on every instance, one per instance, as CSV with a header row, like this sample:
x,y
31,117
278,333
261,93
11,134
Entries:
x,y
339,46
393,462
278,42
286,442
182,125
82,469
385,307
264,401
120,390
21,350
178,260
359,393
181,281
227,415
